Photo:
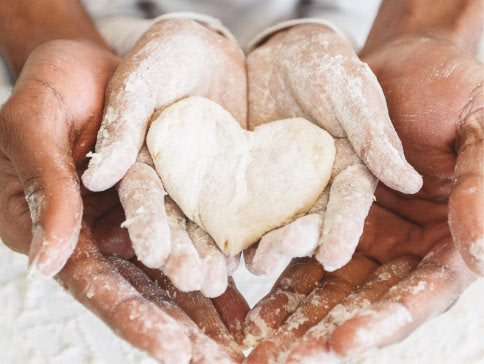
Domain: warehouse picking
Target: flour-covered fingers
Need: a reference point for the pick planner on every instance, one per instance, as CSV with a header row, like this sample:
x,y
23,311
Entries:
x,y
233,308
204,350
132,272
96,283
298,239
142,195
350,198
183,266
323,80
359,104
427,292
466,212
295,240
131,99
200,309
332,289
232,263
173,59
214,264
249,254
294,284
314,345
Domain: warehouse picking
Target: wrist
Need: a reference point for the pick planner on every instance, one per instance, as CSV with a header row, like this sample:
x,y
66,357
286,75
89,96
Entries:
x,y
457,21
24,25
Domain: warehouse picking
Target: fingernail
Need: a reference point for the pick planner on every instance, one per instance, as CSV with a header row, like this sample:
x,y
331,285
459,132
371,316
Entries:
x,y
37,247
32,272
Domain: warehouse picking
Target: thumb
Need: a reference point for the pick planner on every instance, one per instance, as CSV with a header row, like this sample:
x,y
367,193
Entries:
x,y
155,73
43,163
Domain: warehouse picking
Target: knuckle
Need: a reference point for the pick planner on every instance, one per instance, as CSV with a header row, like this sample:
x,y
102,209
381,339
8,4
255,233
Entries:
x,y
471,127
34,195
337,286
438,270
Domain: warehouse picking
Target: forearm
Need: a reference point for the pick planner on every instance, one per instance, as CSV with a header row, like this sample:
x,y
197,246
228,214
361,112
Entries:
x,y
25,24
446,19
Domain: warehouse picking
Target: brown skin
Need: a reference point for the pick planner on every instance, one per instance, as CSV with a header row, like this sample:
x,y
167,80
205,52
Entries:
x,y
24,25
46,128
433,86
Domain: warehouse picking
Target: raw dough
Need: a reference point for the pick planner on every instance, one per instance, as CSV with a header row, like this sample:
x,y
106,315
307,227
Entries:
x,y
235,184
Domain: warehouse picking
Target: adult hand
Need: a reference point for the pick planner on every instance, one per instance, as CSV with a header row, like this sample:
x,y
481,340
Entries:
x,y
174,59
433,85
310,71
48,125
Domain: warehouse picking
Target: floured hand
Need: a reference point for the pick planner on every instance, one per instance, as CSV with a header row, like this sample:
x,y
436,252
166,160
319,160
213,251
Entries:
x,y
309,71
172,60
408,267
162,237
140,304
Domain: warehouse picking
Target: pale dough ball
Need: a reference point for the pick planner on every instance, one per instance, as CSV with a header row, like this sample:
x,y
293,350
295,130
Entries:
x,y
235,184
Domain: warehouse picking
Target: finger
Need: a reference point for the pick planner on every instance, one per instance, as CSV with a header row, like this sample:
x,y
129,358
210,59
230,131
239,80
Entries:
x,y
249,254
204,350
142,195
368,126
183,265
94,282
155,73
110,237
314,344
466,212
233,308
429,291
332,289
201,310
43,163
232,263
350,198
297,239
294,284
357,103
213,261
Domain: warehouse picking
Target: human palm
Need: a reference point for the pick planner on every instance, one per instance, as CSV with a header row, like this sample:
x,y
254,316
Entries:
x,y
408,267
434,91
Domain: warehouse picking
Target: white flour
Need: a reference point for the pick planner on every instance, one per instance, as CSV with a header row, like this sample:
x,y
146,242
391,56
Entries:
x,y
40,323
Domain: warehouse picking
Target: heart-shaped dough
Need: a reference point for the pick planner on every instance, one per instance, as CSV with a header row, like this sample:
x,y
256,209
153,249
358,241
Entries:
x,y
235,184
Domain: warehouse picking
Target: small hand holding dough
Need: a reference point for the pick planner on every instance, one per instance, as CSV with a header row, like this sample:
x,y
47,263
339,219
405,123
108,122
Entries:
x,y
235,184
309,71
175,58
163,238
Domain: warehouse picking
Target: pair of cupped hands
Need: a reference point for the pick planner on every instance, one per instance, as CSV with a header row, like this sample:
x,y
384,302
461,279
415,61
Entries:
x,y
417,253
